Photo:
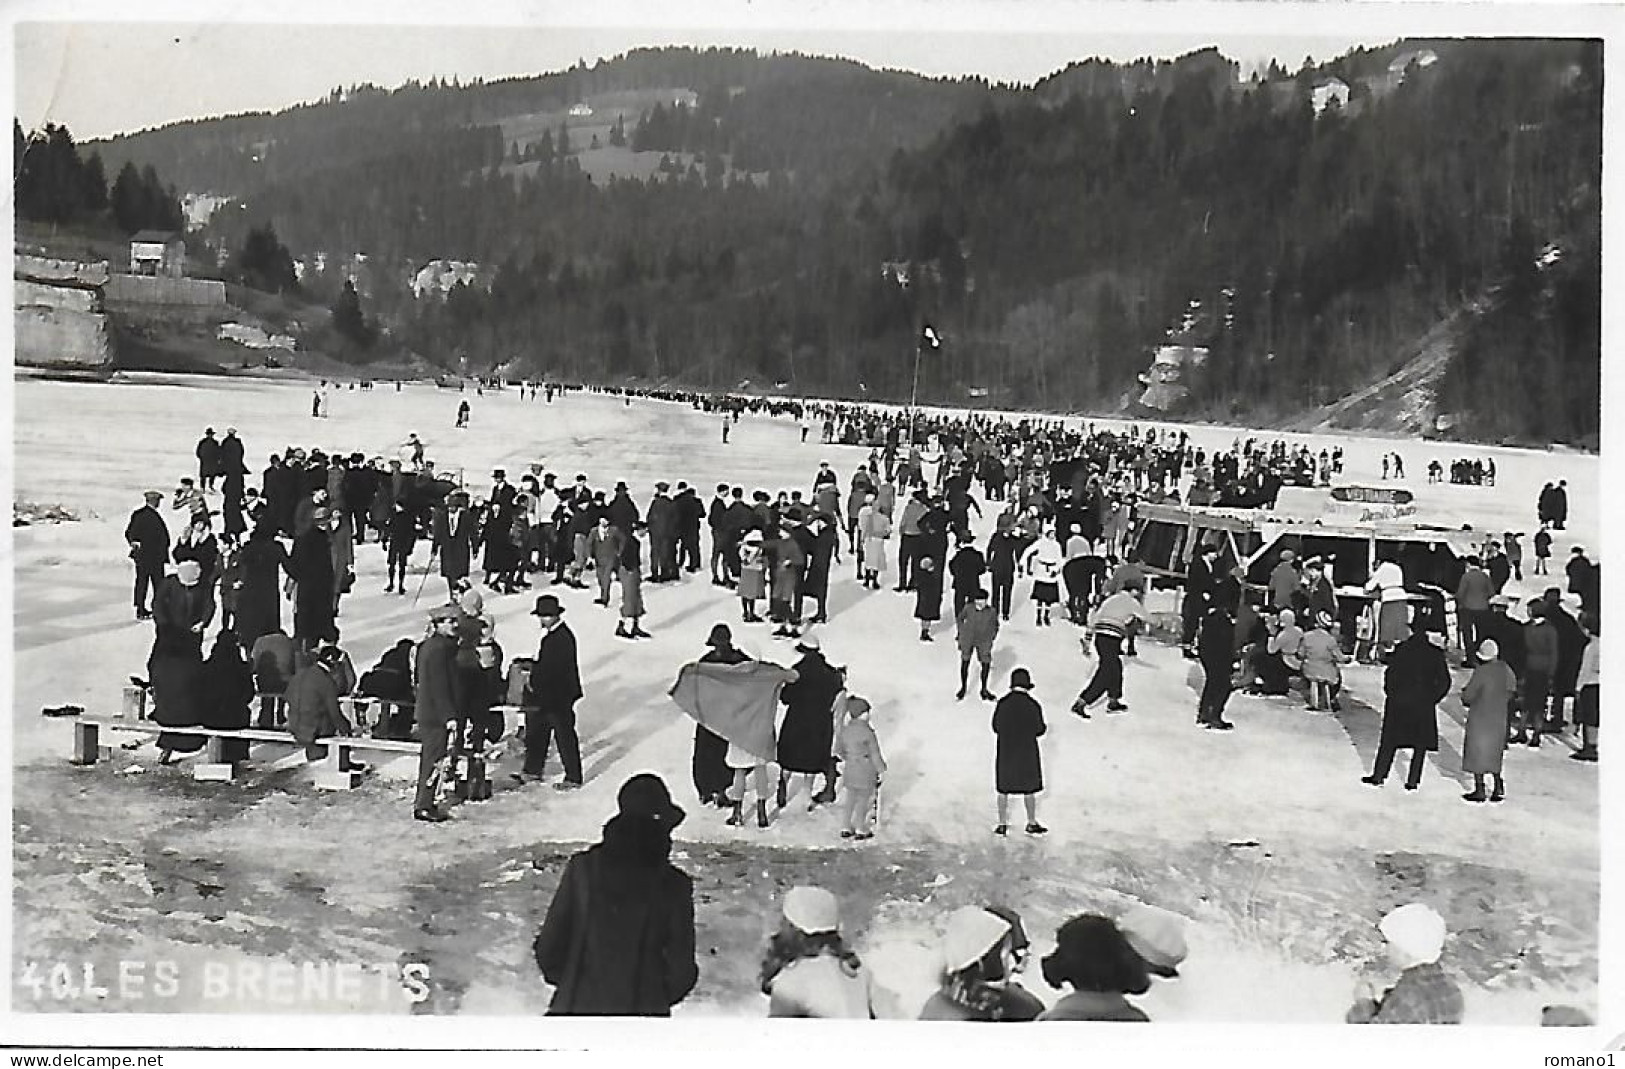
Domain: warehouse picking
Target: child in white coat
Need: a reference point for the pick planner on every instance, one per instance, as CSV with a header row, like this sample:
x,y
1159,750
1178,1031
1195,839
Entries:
x,y
862,765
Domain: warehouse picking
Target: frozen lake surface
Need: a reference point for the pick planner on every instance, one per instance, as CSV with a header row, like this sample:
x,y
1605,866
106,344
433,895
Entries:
x,y
1263,837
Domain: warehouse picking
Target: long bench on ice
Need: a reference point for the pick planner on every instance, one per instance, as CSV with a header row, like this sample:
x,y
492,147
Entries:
x,y
337,771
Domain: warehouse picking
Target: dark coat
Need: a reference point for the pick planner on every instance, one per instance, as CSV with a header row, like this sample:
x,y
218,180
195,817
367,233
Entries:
x,y
619,936
1415,681
454,543
623,514
819,558
175,666
208,456
1571,644
311,565
555,678
231,457
1508,634
1017,723
226,689
313,705
966,568
662,517
150,535
807,736
928,594
437,686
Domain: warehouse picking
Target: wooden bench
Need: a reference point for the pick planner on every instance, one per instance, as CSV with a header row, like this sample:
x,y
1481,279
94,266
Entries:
x,y
337,771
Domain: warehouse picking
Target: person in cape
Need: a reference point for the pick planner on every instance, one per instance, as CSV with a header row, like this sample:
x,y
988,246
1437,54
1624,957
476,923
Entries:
x,y
737,702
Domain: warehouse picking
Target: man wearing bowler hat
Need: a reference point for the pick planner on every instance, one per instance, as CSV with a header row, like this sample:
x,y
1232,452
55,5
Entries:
x,y
555,687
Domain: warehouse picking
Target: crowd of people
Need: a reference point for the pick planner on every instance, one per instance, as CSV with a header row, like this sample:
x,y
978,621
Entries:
x,y
619,938
1063,503
1065,499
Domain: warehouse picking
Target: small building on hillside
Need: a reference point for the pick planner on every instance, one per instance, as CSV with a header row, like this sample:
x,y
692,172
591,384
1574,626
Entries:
x,y
1329,90
580,111
158,252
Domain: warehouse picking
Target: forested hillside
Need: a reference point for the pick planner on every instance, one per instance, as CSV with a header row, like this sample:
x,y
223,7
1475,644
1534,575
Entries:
x,y
808,214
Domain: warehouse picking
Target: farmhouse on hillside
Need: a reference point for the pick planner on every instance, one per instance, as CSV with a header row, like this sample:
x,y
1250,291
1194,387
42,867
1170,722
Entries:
x,y
158,252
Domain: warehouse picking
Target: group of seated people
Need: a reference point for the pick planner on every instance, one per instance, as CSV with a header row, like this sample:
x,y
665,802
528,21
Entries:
x,y
1283,651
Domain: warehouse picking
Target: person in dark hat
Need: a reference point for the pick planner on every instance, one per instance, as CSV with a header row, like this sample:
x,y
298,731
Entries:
x,y
310,564
712,776
1097,961
807,735
208,460
452,531
618,939
662,521
554,689
148,537
1018,722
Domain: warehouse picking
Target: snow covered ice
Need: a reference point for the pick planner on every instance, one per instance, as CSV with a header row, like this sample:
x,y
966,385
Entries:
x,y
1263,838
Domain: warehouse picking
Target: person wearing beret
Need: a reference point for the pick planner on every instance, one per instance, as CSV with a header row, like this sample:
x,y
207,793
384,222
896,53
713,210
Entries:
x,y
618,938
809,970
982,952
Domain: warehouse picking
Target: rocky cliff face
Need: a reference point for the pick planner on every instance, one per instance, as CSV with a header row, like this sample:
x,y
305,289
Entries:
x,y
61,320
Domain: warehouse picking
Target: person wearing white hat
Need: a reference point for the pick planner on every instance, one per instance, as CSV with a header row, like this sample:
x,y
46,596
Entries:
x,y
1488,696
808,970
1424,993
982,952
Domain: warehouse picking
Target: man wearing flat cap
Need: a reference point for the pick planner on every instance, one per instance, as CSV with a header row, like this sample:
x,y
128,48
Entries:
x,y
662,519
436,706
148,537
618,939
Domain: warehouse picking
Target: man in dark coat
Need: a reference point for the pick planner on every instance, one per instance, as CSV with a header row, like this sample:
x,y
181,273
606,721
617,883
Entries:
x,y
1415,681
311,566
555,687
1018,722
313,704
1198,590
662,535
619,934
436,707
690,514
453,535
966,568
807,736
231,455
148,537
720,522
622,512
277,488
1583,582
826,546
208,460
1216,650
1571,644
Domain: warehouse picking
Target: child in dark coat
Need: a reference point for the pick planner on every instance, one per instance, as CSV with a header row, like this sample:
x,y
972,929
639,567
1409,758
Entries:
x,y
1018,722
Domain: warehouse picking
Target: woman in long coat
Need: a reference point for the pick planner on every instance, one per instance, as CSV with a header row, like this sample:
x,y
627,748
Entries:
x,y
225,693
311,566
259,598
1018,722
788,561
181,611
1488,697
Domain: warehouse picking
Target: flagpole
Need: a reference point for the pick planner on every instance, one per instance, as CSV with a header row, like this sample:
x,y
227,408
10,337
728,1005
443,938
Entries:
x,y
914,390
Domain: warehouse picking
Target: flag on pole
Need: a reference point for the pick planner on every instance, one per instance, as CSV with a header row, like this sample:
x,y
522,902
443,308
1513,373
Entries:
x,y
929,338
